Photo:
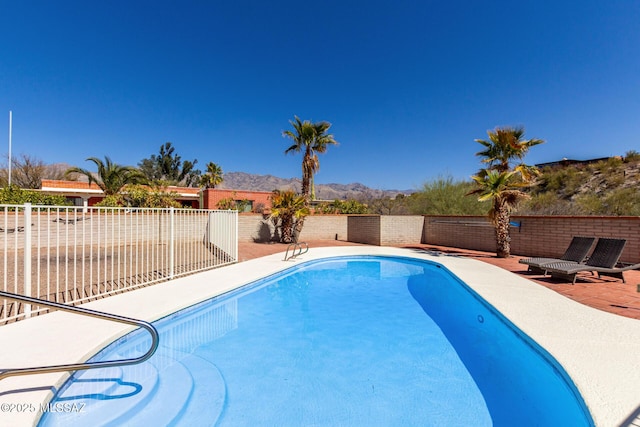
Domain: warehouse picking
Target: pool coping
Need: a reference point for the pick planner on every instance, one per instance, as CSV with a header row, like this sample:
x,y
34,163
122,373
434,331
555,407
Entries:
x,y
600,351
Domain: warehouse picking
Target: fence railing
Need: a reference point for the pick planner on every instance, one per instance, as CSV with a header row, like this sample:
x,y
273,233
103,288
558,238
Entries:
x,y
76,254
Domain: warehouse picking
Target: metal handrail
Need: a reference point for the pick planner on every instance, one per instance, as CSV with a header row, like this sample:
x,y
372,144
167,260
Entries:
x,y
86,365
297,246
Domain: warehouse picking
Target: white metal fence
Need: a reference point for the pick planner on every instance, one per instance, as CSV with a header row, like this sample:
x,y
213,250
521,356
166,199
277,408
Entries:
x,y
76,254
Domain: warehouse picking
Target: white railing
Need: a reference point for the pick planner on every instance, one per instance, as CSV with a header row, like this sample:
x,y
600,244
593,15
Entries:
x,y
76,254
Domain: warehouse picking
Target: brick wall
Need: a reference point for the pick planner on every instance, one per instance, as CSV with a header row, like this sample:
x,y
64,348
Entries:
x,y
364,229
536,236
401,229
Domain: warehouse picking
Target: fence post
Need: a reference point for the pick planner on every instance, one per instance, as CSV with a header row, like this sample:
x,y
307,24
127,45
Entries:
x,y
27,257
171,238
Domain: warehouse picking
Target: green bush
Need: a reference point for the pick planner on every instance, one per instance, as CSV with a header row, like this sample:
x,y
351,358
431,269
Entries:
x,y
444,196
342,207
13,195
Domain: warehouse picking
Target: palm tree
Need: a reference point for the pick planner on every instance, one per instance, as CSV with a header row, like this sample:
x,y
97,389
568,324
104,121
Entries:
x,y
111,177
289,209
505,145
213,177
501,181
502,189
311,138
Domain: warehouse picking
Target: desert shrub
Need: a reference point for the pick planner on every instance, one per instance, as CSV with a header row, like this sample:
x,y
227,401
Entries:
x,y
548,204
444,196
565,181
623,201
590,204
631,156
342,207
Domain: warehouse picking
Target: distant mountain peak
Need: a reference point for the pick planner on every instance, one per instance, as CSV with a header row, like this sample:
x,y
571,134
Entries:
x,y
354,190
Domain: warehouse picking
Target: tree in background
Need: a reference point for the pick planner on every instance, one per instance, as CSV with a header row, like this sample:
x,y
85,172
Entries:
x,y
28,172
110,177
502,180
168,168
444,196
212,177
311,139
342,207
288,210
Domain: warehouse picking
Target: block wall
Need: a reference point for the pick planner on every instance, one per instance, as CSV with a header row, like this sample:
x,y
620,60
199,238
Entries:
x,y
364,229
401,229
259,228
536,235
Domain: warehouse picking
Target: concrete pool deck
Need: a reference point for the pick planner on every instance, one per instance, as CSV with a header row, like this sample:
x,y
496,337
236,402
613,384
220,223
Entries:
x,y
599,350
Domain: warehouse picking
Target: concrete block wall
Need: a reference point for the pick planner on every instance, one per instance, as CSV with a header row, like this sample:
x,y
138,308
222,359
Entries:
x,y
536,235
364,229
469,232
259,228
401,229
324,227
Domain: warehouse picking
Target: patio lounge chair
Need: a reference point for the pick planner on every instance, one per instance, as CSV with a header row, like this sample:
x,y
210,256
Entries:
x,y
576,253
603,260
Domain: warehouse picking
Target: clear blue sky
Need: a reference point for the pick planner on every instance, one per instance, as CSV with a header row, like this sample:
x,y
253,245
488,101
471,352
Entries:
x,y
407,85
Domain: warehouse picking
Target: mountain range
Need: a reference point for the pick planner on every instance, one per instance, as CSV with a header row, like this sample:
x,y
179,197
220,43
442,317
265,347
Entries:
x,y
251,182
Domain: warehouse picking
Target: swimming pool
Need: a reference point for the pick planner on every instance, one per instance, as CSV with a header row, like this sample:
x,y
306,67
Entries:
x,y
348,341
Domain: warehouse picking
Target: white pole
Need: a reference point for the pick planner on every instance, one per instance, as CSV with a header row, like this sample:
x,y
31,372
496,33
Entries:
x,y
10,147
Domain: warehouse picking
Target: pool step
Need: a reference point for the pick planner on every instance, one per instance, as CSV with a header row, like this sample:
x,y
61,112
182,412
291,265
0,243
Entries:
x,y
164,404
208,399
98,391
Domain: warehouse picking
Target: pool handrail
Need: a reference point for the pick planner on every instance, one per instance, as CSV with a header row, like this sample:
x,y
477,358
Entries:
x,y
296,246
4,373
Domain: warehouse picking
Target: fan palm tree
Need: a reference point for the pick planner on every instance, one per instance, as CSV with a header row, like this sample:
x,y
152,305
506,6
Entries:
x,y
506,145
289,209
212,177
310,138
110,177
501,188
501,181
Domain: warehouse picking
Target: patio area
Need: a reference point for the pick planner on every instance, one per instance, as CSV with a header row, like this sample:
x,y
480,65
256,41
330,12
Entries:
x,y
606,294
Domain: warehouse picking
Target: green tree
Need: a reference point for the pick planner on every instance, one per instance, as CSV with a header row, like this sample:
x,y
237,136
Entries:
x,y
110,177
212,177
311,139
168,168
444,196
501,181
288,211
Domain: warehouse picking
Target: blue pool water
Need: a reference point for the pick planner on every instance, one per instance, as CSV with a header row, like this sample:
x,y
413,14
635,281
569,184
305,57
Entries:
x,y
358,341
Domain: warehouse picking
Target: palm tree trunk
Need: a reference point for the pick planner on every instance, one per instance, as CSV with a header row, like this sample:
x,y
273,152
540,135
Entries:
x,y
287,229
501,224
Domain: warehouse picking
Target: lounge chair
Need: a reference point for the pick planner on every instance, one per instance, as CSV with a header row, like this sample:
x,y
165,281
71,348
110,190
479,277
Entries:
x,y
603,260
576,253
